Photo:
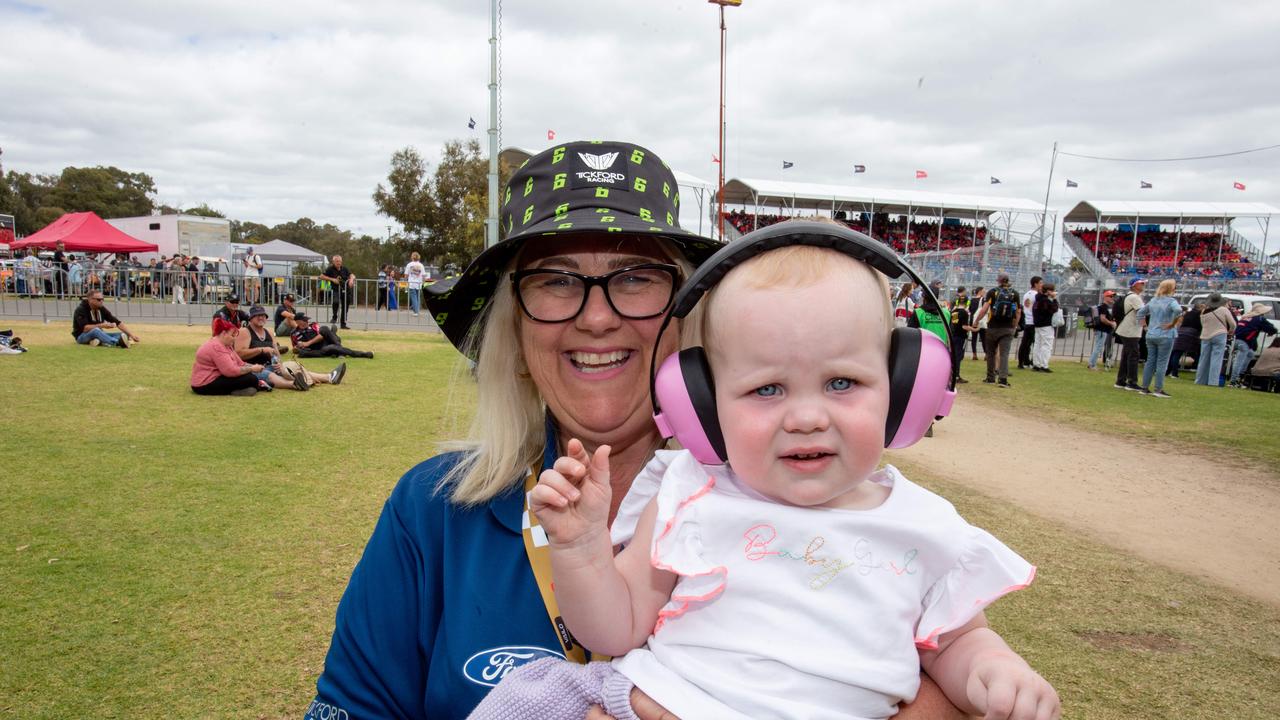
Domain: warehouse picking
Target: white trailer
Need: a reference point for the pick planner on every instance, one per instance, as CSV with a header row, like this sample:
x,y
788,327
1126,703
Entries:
x,y
175,234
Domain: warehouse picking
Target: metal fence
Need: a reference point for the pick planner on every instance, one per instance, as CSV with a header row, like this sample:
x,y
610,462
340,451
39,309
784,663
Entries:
x,y
183,297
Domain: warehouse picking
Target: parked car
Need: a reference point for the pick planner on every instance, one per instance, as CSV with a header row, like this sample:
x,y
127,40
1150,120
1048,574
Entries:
x,y
1242,303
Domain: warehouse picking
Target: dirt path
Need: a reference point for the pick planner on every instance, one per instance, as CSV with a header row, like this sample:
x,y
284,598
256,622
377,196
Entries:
x,y
1184,511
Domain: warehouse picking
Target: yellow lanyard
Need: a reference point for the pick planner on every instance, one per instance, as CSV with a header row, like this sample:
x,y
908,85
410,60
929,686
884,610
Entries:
x,y
535,544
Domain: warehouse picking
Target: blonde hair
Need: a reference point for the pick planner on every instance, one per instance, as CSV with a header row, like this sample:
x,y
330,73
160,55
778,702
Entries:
x,y
793,267
508,431
1166,287
414,256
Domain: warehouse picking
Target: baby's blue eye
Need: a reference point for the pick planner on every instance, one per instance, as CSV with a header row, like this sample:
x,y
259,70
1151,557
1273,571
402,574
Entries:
x,y
768,390
839,384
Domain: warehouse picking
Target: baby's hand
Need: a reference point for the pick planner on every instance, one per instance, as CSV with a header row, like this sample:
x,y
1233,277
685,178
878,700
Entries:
x,y
1004,687
571,499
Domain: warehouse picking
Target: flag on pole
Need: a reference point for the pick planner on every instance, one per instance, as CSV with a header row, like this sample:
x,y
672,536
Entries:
x,y
786,164
471,123
1072,183
920,174
995,180
714,159
859,169
551,134
1238,185
1144,185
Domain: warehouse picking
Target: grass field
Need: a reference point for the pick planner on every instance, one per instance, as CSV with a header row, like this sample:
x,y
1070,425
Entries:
x,y
168,555
1241,422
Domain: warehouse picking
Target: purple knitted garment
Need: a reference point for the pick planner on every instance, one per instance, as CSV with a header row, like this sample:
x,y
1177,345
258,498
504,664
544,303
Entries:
x,y
553,689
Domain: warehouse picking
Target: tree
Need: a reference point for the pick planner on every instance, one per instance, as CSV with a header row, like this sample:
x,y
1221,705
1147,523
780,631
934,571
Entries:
x,y
203,211
445,212
108,191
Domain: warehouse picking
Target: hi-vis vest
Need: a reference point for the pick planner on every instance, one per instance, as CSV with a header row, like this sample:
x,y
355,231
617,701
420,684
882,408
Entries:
x,y
936,324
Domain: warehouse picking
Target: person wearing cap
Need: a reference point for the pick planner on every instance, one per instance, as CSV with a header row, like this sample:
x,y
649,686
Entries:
x,y
1216,325
1129,333
1251,325
255,344
218,370
283,320
231,312
1105,329
312,340
560,320
1005,312
252,275
1163,315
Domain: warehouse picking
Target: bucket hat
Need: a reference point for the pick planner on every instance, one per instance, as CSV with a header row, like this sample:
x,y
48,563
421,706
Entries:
x,y
570,189
1214,301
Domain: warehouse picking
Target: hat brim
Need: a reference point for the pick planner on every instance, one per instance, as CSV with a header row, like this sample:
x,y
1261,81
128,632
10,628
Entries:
x,y
456,306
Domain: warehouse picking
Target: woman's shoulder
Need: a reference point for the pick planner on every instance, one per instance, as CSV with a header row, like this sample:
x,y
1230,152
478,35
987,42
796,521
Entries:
x,y
419,489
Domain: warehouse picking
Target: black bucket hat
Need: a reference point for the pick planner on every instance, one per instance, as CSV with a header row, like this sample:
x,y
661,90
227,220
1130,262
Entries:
x,y
570,189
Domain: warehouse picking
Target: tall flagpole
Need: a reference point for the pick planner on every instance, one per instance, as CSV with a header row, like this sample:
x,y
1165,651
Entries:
x,y
1045,217
491,220
720,129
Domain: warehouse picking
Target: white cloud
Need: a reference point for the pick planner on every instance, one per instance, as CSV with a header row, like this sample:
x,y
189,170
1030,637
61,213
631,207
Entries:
x,y
274,111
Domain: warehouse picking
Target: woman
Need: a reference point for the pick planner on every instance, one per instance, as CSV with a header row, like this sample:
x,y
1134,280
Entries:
x,y
903,304
1188,340
382,288
415,272
1216,325
218,370
1163,315
446,598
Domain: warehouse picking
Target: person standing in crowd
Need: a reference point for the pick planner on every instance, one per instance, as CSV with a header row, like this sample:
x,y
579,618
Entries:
x,y
1043,310
1129,331
60,281
979,333
231,312
1163,315
1187,343
252,276
415,273
312,340
1004,311
416,617
959,332
218,370
283,320
76,275
1251,325
1104,327
1028,323
344,284
91,321
382,288
1216,325
903,305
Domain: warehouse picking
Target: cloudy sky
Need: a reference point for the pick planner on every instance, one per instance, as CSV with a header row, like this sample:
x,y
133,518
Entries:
x,y
275,111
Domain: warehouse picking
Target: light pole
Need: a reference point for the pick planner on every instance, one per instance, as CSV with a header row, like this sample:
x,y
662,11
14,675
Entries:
x,y
720,129
491,220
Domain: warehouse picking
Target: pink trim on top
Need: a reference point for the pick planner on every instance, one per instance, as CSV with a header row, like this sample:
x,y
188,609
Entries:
x,y
684,600
930,641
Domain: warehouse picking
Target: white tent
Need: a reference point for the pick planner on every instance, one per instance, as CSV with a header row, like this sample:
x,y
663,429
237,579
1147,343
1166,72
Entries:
x,y
281,251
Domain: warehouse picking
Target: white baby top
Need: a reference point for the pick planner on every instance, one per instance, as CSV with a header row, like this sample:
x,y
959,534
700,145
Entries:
x,y
791,612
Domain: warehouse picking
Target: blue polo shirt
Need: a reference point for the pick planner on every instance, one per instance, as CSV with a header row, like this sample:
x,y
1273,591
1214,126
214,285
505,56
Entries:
x,y
440,607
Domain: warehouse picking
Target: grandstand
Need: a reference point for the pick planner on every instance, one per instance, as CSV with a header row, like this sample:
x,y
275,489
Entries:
x,y
1194,242
959,239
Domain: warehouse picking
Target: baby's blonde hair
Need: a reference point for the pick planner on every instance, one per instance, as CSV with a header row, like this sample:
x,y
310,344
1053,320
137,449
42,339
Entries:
x,y
797,266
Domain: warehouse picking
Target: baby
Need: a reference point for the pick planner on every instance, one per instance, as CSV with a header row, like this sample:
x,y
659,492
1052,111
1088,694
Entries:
x,y
798,580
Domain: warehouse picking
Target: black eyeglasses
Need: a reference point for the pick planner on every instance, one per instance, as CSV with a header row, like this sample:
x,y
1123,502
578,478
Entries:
x,y
638,292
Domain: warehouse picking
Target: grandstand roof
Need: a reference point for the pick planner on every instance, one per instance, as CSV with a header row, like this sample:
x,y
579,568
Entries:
x,y
814,196
1156,211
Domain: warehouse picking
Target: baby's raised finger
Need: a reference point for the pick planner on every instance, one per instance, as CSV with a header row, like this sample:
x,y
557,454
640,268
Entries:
x,y
558,483
576,450
571,468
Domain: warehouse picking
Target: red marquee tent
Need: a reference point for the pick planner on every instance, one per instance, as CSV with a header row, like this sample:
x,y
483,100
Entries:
x,y
84,232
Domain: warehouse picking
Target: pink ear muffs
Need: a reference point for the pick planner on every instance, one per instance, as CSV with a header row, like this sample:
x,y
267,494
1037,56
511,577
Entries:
x,y
686,394
683,390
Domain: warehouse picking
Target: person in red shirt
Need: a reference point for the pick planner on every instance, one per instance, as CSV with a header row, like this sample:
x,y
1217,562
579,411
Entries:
x,y
218,370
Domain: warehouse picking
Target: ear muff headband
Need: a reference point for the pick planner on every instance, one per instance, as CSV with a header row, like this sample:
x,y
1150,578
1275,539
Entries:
x,y
849,242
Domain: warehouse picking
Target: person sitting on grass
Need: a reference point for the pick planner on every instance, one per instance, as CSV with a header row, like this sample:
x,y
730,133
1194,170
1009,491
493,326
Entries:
x,y
255,344
92,320
1268,364
231,312
218,370
312,340
284,316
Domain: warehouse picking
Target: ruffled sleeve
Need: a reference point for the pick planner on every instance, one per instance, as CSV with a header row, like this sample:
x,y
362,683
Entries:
x,y
985,571
677,539
642,490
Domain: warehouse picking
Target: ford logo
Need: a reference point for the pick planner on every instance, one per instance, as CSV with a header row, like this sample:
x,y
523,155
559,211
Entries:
x,y
488,667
